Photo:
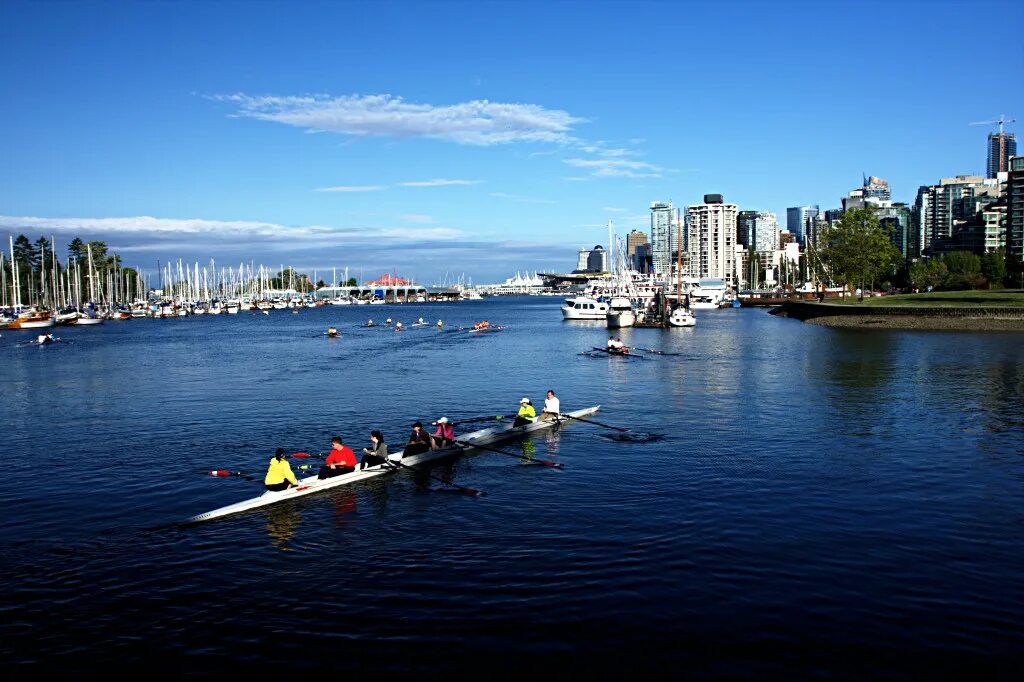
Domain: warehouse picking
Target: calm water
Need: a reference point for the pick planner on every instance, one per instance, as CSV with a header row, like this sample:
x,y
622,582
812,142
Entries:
x,y
793,501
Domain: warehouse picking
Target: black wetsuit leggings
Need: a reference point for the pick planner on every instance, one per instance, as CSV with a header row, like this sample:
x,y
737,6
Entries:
x,y
370,461
328,472
283,485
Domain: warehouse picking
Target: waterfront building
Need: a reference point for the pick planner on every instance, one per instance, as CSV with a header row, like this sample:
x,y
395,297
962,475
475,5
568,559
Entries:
x,y
1001,146
642,258
797,220
939,208
874,192
745,228
634,239
597,261
581,260
1015,209
895,217
711,239
664,221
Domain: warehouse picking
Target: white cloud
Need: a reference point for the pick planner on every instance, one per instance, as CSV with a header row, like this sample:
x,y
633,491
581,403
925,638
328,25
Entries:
x,y
439,182
520,199
353,188
189,229
477,122
618,168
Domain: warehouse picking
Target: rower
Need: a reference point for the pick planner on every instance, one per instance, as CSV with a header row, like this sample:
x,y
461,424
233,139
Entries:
x,y
445,434
369,323
45,339
331,331
551,408
420,321
620,347
279,473
527,415
378,454
387,321
341,460
398,326
419,441
611,343
440,324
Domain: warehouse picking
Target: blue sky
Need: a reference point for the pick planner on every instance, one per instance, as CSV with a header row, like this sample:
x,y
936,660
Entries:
x,y
481,138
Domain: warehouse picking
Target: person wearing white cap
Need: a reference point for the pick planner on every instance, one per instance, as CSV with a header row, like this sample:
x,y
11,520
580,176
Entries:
x,y
527,415
445,434
551,408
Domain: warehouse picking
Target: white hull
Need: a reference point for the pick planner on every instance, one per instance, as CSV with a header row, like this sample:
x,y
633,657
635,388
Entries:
x,y
583,308
621,318
34,324
85,321
311,484
681,317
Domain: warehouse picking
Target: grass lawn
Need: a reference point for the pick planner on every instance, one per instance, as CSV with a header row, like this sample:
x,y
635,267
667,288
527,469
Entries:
x,y
1010,298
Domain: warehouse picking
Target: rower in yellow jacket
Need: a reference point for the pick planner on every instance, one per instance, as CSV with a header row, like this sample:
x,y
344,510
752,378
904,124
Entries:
x,y
279,475
527,415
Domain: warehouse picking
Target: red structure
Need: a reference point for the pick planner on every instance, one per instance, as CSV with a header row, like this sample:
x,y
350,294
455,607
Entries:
x,y
388,280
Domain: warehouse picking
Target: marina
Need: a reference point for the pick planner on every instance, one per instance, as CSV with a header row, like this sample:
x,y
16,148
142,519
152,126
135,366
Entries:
x,y
801,507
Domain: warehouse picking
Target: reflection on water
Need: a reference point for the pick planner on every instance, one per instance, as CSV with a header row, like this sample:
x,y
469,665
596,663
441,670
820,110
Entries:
x,y
282,523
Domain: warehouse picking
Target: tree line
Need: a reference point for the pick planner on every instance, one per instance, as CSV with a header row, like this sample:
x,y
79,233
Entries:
x,y
38,267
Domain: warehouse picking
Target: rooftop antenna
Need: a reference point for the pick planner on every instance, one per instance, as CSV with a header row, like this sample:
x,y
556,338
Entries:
x,y
1002,120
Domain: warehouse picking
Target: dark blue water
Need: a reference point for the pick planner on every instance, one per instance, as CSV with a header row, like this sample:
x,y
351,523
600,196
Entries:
x,y
791,502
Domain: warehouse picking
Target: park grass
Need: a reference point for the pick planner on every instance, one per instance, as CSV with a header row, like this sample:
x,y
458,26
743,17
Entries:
x,y
999,298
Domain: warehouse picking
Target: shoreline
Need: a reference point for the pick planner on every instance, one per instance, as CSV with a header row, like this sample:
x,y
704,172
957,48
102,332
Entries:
x,y
935,318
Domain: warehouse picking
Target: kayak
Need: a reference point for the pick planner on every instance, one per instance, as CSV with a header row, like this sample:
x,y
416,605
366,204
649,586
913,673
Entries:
x,y
311,484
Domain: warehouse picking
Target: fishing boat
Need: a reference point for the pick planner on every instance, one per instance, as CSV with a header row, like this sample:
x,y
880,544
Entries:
x,y
311,484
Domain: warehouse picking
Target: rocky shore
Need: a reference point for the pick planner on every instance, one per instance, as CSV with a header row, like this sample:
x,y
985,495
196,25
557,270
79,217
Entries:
x,y
940,318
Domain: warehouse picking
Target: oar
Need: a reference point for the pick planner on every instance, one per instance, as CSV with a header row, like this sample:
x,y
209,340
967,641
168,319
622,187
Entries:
x,y
224,473
530,460
472,492
471,420
655,351
591,421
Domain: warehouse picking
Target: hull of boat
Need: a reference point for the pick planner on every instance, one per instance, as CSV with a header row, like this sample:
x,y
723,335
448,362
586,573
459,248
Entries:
x,y
618,319
32,323
311,484
681,319
86,321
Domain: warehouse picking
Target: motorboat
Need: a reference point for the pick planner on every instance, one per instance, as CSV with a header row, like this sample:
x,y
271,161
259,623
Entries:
x,y
682,317
620,313
584,308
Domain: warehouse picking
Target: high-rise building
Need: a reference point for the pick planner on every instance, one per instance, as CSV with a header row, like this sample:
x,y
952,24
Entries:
x,y
896,219
797,220
642,258
597,261
581,260
1015,208
664,221
711,239
745,228
939,208
874,192
758,230
1001,146
634,239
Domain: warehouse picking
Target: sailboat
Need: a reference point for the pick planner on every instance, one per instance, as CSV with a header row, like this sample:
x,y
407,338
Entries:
x,y
92,317
681,315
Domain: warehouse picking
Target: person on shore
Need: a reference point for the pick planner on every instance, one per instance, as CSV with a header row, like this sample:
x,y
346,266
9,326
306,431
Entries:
x,y
551,408
527,415
377,453
445,434
279,473
341,460
419,441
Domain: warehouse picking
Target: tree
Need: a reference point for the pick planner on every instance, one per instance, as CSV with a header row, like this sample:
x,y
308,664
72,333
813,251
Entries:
x,y
320,284
77,251
928,273
993,267
964,270
859,250
25,253
43,251
351,282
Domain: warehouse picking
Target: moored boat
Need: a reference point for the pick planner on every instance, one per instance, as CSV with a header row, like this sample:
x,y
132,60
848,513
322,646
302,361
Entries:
x,y
33,319
312,484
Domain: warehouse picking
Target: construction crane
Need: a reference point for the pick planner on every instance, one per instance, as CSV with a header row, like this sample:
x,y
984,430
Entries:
x,y
1002,120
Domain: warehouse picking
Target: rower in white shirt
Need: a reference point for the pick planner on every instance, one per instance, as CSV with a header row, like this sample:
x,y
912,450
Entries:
x,y
551,408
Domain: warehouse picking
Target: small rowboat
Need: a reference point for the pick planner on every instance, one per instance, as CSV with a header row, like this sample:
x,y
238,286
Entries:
x,y
478,330
622,353
311,484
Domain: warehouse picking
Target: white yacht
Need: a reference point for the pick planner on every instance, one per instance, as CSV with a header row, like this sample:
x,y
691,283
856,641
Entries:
x,y
584,308
682,317
620,313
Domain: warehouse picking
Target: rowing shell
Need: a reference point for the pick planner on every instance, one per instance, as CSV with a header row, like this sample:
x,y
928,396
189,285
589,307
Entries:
x,y
485,329
613,352
311,484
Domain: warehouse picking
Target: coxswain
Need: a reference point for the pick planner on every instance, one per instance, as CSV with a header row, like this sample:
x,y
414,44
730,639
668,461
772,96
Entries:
x,y
279,473
551,408
419,441
331,331
527,415
445,434
341,460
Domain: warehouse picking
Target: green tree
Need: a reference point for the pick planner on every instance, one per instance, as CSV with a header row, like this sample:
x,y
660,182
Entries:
x,y
993,267
351,282
928,273
77,251
964,271
858,250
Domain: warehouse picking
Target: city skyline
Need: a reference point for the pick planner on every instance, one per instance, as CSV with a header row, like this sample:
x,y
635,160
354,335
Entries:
x,y
318,138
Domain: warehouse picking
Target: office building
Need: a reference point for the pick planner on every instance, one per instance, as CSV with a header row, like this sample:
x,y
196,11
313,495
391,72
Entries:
x,y
757,230
939,208
797,220
664,228
895,218
634,239
597,261
711,239
1015,209
581,260
1001,146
